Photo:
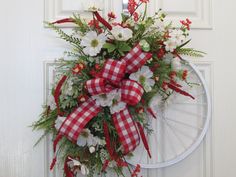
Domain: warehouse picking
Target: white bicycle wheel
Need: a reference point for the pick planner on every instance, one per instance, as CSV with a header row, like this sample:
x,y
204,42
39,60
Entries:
x,y
180,126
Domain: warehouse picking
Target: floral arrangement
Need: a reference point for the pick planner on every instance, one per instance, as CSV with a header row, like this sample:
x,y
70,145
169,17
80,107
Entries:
x,y
98,109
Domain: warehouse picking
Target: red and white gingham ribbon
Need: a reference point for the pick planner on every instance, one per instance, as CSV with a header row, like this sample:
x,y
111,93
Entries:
x,y
131,93
135,59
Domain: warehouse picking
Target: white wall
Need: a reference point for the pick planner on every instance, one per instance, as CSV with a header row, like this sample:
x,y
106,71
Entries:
x,y
25,44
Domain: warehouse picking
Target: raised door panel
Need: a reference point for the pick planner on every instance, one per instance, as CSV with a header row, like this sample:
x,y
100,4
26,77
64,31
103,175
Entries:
x,y
59,9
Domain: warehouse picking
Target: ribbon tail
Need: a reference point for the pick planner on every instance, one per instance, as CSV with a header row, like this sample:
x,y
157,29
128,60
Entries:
x,y
178,90
67,170
126,129
107,139
55,142
102,20
144,139
57,94
78,119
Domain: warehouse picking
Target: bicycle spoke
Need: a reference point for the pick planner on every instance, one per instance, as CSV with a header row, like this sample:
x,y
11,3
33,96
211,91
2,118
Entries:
x,y
182,123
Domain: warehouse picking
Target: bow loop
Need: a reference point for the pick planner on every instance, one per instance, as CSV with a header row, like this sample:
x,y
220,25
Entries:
x,y
96,86
131,92
135,59
114,71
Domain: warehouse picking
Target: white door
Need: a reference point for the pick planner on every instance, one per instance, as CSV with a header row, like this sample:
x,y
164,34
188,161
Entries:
x,y
25,44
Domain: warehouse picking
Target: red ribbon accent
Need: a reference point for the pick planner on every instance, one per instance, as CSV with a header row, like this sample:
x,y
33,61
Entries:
x,y
178,90
105,165
107,139
56,141
65,20
67,170
102,20
53,163
175,83
151,112
57,94
144,139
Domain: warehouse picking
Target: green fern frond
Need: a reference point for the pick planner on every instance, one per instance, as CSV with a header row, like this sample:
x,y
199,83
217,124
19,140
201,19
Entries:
x,y
64,36
190,52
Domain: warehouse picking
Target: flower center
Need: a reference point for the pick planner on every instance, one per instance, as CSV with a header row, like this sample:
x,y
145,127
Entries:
x,y
120,35
103,96
94,43
114,102
142,79
84,134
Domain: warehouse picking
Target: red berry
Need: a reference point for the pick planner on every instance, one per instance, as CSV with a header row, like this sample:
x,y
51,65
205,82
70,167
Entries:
x,y
160,53
140,110
172,75
111,15
185,74
164,85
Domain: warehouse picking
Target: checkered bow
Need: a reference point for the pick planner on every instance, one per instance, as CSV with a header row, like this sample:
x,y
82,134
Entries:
x,y
131,92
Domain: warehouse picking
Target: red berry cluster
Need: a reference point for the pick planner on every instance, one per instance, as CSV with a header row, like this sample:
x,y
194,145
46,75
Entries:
x,y
186,23
111,15
95,24
185,74
78,68
132,6
136,171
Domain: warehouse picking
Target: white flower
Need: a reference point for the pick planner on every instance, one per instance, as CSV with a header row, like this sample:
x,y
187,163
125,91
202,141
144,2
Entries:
x,y
59,122
73,163
93,43
68,89
170,45
177,36
86,138
51,102
112,100
168,58
84,170
103,99
176,64
121,34
92,149
117,104
99,141
143,76
160,25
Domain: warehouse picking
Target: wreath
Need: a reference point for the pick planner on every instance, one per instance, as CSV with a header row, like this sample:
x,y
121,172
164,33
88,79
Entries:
x,y
99,108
